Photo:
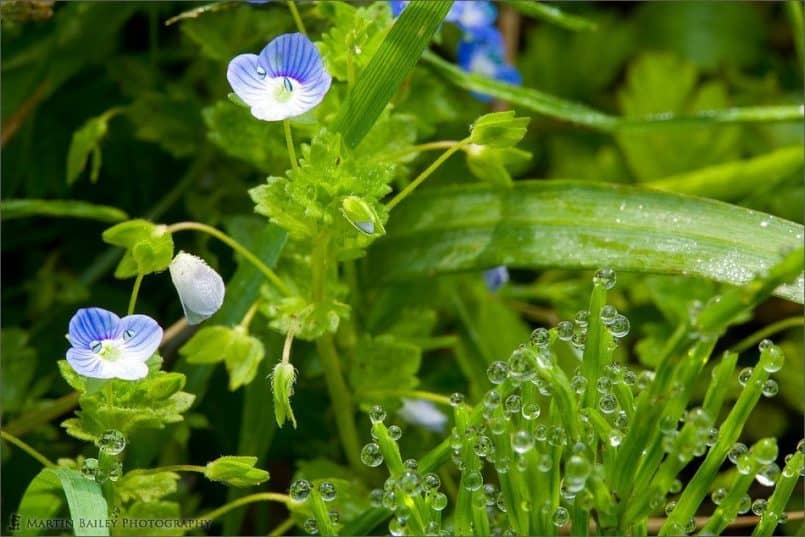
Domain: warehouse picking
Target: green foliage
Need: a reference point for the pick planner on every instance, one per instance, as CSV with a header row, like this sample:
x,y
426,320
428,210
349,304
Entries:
x,y
235,471
283,378
26,208
384,364
146,486
499,130
86,145
19,367
240,352
128,406
149,247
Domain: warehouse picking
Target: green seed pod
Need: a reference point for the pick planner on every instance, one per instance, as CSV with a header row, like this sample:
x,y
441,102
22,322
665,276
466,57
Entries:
x,y
282,381
362,217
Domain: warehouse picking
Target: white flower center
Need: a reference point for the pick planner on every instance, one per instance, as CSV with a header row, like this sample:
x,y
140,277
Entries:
x,y
284,90
108,349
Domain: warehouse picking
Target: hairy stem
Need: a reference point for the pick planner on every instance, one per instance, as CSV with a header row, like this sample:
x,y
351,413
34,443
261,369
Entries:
x,y
286,127
134,292
236,246
297,19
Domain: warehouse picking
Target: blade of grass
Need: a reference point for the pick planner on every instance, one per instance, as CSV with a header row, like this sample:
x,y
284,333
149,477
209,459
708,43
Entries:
x,y
397,55
736,179
21,208
556,107
554,15
581,225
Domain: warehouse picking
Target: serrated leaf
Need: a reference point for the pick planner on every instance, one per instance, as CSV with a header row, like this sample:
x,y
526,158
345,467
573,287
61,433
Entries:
x,y
577,225
384,363
146,486
491,164
236,471
21,208
396,56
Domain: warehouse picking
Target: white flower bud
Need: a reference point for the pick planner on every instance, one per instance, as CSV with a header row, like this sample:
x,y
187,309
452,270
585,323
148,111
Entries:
x,y
200,288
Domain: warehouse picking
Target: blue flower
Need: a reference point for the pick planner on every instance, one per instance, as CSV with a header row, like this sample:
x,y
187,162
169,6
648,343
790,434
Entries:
x,y
285,80
483,54
424,413
494,278
104,346
468,15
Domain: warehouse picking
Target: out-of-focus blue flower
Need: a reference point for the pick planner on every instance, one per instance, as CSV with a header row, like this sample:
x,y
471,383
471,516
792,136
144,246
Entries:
x,y
285,80
468,15
473,15
258,1
494,278
200,288
104,346
483,54
423,413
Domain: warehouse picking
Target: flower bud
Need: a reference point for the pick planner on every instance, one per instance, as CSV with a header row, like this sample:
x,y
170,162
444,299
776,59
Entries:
x,y
361,215
200,288
282,381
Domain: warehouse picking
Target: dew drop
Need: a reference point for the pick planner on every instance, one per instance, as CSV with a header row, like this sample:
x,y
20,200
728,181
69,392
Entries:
x,y
128,334
736,452
608,404
497,372
300,490
620,326
438,502
327,491
111,442
311,527
513,404
560,517
531,411
770,388
260,71
89,468
564,330
456,399
473,480
758,506
578,383
745,505
604,385
669,507
522,441
774,359
582,318
604,277
395,433
96,346
718,496
744,375
768,475
371,455
615,438
377,414
376,497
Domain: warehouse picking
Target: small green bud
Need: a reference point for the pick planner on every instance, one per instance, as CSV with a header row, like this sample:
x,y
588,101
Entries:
x,y
499,129
235,471
362,217
282,381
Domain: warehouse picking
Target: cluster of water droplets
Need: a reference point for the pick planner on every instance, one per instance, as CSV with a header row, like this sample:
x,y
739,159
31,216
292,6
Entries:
x,y
111,444
302,489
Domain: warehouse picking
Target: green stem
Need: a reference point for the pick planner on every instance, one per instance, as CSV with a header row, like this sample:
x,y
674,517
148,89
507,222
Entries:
x,y
236,246
286,127
413,394
794,12
39,416
767,331
296,17
779,498
250,313
282,527
134,292
425,174
47,463
343,406
253,498
429,146
178,468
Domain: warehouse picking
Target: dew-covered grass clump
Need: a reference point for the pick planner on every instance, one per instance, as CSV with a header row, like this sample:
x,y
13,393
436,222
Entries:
x,y
410,268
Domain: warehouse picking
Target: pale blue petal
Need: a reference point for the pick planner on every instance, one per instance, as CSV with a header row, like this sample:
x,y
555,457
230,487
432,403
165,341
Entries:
x,y
87,363
293,56
93,324
248,79
397,7
472,15
141,337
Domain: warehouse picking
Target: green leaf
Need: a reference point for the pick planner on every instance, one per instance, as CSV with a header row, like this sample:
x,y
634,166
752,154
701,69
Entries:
x,y
235,471
156,511
491,164
396,56
149,247
554,15
498,129
42,501
11,209
171,121
659,83
552,106
239,134
146,486
85,144
241,352
736,179
88,507
149,403
19,366
575,225
384,363
352,37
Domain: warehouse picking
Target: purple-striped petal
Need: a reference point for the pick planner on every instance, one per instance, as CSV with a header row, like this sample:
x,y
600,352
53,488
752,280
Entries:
x,y
87,363
141,336
89,325
286,80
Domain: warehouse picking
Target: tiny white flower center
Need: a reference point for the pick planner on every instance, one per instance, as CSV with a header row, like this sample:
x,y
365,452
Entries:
x,y
284,89
108,349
